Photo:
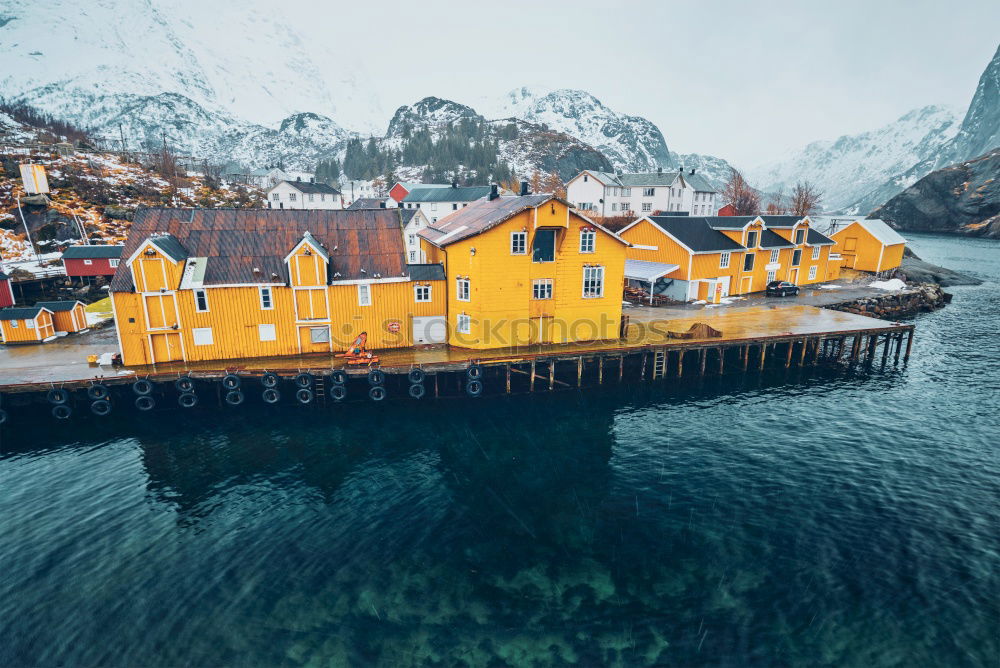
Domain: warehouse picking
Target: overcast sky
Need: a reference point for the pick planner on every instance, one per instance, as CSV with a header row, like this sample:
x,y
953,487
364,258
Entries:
x,y
746,81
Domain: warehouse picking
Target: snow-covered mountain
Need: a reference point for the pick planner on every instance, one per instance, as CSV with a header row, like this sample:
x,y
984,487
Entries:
x,y
848,167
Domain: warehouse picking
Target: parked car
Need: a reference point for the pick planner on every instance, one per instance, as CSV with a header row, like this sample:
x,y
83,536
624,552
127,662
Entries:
x,y
781,289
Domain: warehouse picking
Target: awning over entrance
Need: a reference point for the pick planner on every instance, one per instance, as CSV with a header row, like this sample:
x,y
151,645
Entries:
x,y
647,272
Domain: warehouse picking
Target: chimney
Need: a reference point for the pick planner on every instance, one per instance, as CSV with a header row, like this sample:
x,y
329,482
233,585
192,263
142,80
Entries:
x,y
298,178
312,179
692,170
493,192
524,189
454,183
381,205
659,171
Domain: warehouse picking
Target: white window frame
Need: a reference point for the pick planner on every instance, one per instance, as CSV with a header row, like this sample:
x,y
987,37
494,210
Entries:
x,y
113,263
541,288
812,272
424,290
312,197
291,197
647,207
267,332
724,259
626,192
312,334
588,241
266,290
30,324
800,233
797,257
204,297
649,192
364,294
463,289
276,196
775,255
518,239
88,262
756,238
14,325
202,336
413,257
463,323
595,276
815,254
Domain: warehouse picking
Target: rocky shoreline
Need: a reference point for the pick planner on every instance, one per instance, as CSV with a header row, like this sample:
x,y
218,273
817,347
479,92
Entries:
x,y
916,298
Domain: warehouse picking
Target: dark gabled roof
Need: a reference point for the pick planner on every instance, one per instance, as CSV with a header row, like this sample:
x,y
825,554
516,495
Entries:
x,y
426,272
308,187
769,239
816,238
169,244
369,203
728,222
696,234
92,252
20,312
361,244
459,194
3,276
56,307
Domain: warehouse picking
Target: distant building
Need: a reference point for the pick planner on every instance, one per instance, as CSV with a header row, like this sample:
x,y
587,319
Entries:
x,y
437,202
411,220
26,324
372,203
727,210
87,261
303,195
869,245
400,190
353,190
6,290
607,194
67,316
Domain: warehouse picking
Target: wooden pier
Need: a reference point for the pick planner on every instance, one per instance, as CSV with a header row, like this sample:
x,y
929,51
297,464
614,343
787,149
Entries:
x,y
753,340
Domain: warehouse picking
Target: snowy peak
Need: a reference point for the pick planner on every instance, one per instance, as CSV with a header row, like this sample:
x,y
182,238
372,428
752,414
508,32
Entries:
x,y
430,112
631,143
981,127
850,166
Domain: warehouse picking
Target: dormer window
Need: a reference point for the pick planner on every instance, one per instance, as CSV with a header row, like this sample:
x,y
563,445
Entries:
x,y
799,237
752,239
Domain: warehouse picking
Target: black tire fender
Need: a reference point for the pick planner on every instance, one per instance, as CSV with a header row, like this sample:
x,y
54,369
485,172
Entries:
x,y
142,387
270,379
97,392
145,402
184,384
416,375
188,400
338,392
231,381
304,380
474,388
339,377
417,390
376,377
377,393
100,407
57,396
61,412
304,395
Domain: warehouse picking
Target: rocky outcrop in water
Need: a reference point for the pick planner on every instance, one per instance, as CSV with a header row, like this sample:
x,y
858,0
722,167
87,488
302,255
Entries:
x,y
960,199
917,298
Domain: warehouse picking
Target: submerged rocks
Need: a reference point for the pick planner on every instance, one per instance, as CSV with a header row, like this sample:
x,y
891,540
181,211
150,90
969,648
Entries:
x,y
916,298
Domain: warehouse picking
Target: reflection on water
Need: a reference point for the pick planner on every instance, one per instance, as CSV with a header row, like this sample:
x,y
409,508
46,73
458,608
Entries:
x,y
821,519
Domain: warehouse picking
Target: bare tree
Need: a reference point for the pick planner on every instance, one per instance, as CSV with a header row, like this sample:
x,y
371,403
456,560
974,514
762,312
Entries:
x,y
776,204
536,181
738,192
213,175
805,198
554,184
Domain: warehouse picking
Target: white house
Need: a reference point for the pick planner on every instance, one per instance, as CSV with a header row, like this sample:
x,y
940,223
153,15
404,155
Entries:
x,y
303,195
414,220
437,202
607,194
354,190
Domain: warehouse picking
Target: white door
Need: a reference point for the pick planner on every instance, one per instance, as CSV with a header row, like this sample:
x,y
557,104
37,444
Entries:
x,y
430,329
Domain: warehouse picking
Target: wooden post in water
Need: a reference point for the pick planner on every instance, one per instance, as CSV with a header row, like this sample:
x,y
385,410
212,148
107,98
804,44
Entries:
x,y
680,362
508,377
788,354
855,348
899,346
722,359
531,382
552,374
840,347
819,344
701,362
763,354
579,370
885,349
746,356
621,366
872,344
600,370
802,353
436,386
909,346
642,371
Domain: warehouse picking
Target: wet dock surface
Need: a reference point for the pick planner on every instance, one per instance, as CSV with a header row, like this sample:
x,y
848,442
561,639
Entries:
x,y
25,368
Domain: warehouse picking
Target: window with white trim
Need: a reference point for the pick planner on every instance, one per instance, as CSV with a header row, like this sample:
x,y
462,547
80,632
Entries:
x,y
113,263
541,288
200,301
799,236
13,323
462,289
647,207
774,255
276,196
413,257
464,324
724,260
626,192
88,262
267,332
593,282
30,324
587,238
797,257
748,261
752,239
412,239
202,336
518,243
266,302
815,254
648,192
319,334
291,197
312,197
421,293
364,294
812,272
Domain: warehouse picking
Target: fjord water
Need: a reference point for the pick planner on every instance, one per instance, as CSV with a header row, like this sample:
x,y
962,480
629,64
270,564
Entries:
x,y
817,519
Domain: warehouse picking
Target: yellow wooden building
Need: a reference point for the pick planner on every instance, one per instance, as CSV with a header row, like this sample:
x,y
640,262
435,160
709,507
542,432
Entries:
x,y
731,255
869,245
26,324
208,284
525,269
67,316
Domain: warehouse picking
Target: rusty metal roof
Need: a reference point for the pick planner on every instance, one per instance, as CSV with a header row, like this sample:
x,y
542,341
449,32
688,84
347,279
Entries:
x,y
248,246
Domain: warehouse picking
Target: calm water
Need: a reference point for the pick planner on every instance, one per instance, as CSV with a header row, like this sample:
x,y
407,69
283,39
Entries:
x,y
840,520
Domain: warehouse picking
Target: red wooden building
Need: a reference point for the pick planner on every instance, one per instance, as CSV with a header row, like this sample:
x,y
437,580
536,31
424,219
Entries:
x,y
81,261
6,290
727,210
